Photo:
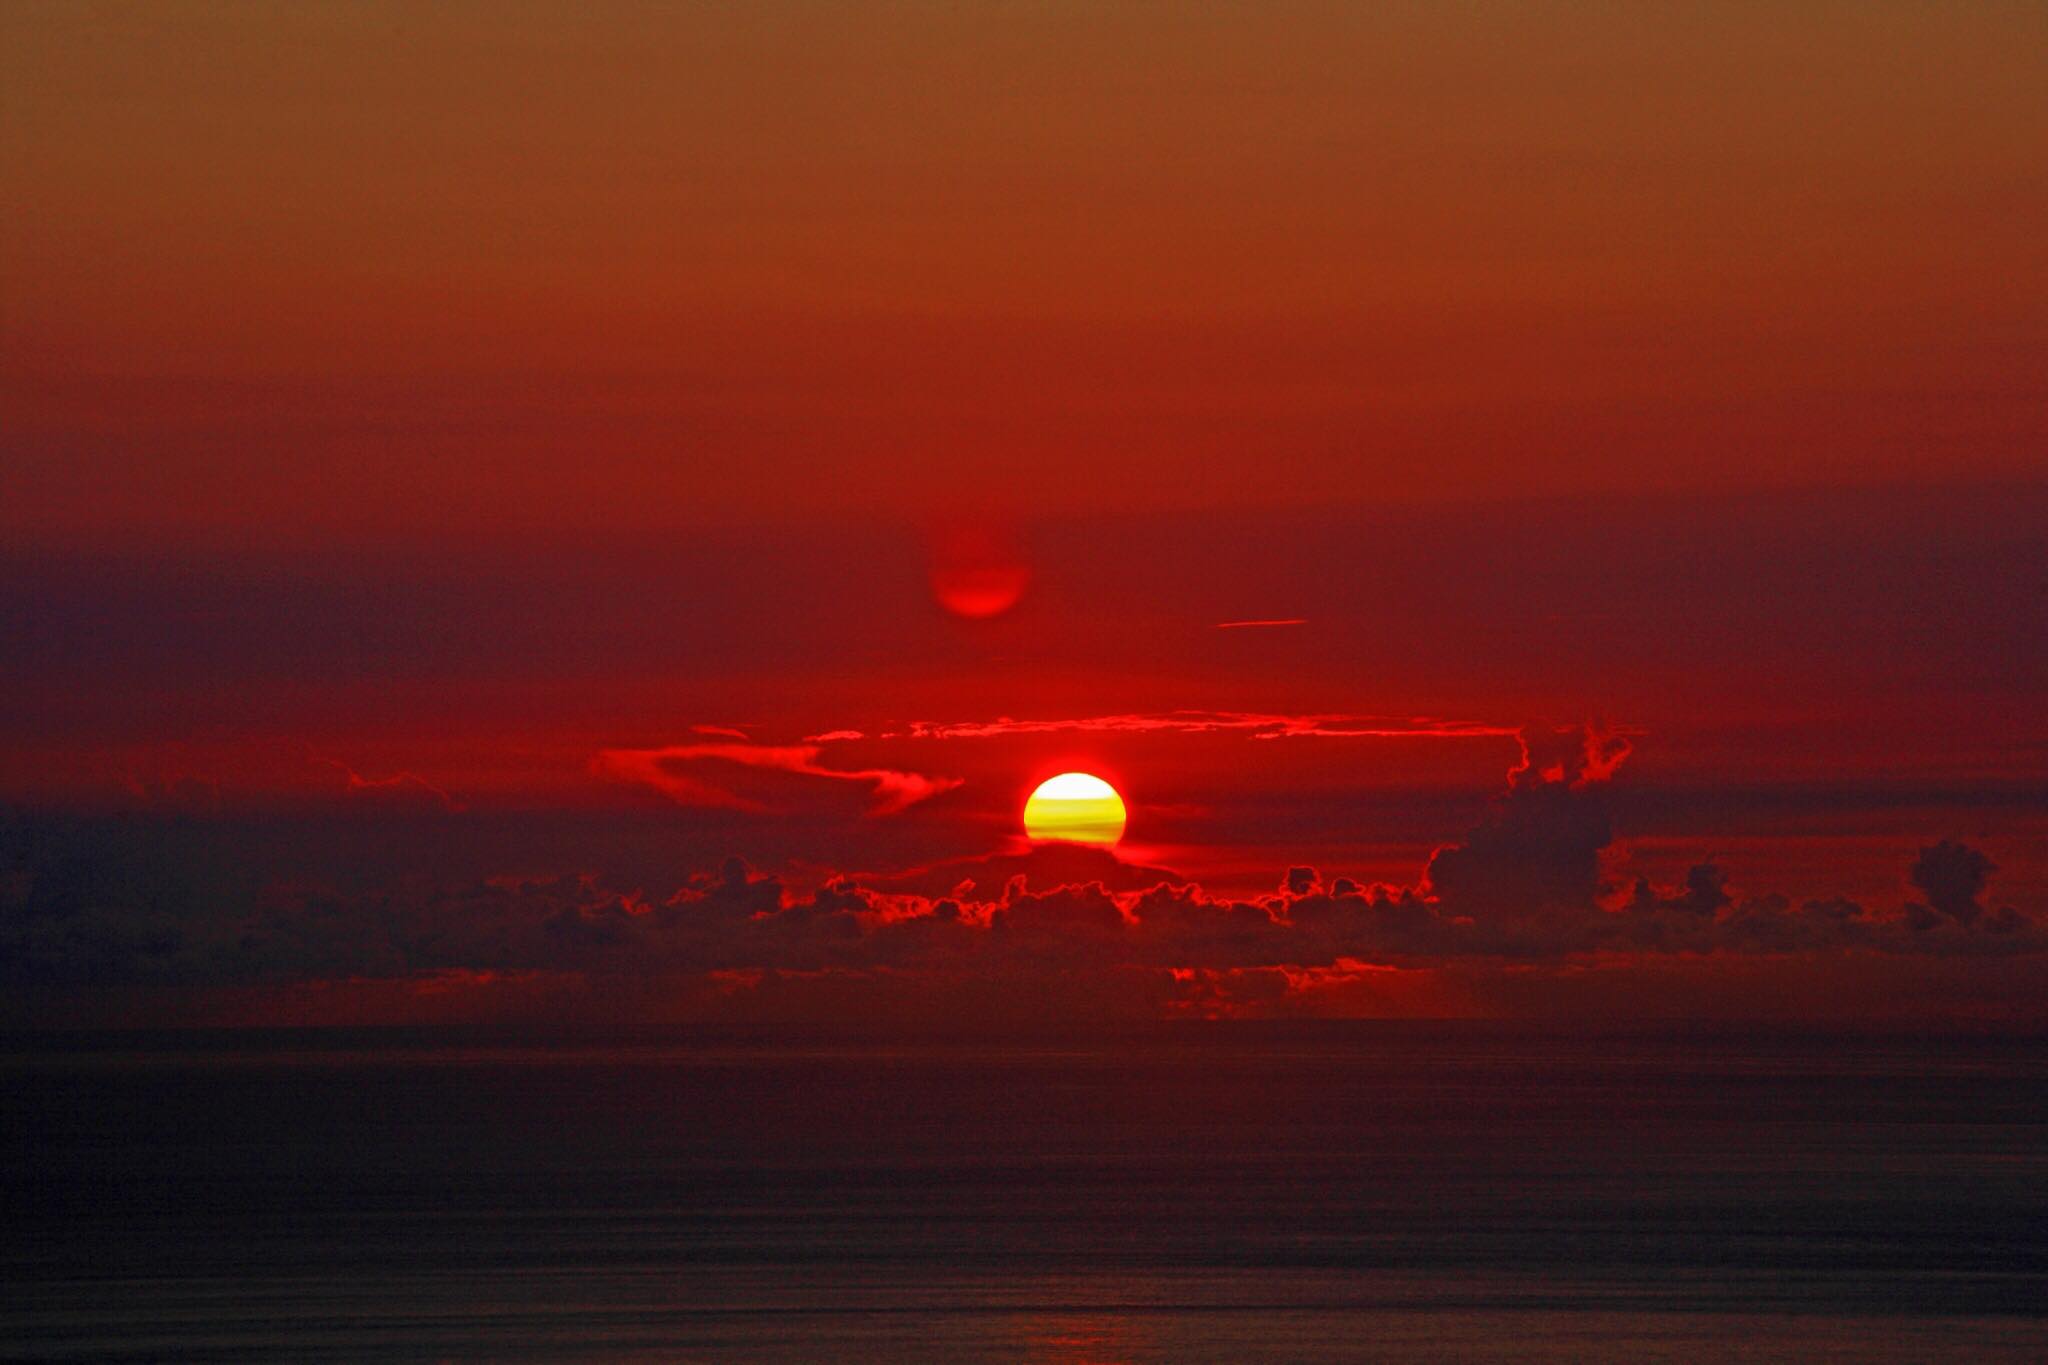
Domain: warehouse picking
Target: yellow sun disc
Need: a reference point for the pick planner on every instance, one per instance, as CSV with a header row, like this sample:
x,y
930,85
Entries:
x,y
1078,807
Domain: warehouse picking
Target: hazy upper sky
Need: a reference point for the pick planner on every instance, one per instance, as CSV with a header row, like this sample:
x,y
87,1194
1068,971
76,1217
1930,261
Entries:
x,y
281,271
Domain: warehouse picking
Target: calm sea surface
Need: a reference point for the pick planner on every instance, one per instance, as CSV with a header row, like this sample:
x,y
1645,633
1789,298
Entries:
x,y
1223,1194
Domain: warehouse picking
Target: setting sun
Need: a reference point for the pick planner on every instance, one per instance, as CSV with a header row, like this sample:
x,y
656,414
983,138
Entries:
x,y
1077,807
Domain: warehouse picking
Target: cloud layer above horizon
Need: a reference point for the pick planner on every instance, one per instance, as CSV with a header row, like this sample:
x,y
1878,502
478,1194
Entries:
x,y
1523,892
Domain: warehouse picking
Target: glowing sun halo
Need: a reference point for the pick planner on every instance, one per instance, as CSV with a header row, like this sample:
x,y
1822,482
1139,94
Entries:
x,y
1078,807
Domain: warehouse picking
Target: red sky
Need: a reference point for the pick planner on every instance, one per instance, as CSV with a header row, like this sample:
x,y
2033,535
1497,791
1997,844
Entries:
x,y
484,442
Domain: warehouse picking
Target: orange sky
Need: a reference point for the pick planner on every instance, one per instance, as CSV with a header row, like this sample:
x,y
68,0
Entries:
x,y
310,271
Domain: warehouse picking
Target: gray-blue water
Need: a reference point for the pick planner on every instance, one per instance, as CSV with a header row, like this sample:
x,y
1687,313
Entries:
x,y
1204,1193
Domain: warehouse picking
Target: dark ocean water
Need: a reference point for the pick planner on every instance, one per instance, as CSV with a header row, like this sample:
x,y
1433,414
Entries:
x,y
1221,1194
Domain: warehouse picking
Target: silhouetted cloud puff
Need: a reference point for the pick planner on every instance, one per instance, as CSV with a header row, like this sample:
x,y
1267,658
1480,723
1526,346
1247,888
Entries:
x,y
1953,878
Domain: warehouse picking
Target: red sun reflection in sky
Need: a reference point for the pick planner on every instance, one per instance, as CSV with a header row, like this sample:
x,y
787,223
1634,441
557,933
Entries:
x,y
978,571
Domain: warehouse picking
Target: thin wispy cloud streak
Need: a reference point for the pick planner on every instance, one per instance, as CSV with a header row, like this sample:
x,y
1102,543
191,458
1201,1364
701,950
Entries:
x,y
397,783
1259,725
685,774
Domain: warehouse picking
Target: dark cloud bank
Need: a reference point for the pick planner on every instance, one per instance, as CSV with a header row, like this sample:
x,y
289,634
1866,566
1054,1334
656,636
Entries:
x,y
130,905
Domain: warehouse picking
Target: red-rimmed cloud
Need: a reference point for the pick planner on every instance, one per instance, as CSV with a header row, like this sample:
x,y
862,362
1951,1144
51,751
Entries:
x,y
686,773
1256,724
